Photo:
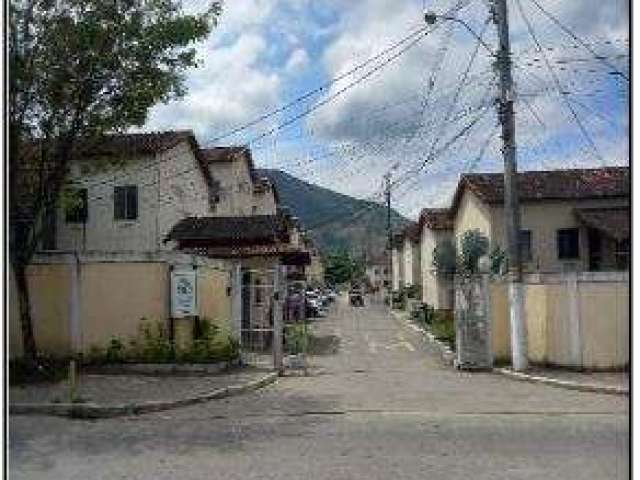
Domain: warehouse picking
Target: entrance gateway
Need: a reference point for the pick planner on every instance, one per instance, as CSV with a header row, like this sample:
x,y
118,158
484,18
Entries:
x,y
262,316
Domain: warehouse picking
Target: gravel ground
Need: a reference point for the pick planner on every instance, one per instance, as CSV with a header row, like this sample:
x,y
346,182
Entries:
x,y
124,388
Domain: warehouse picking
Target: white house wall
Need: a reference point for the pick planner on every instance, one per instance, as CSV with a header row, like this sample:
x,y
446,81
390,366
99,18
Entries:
x,y
435,290
170,187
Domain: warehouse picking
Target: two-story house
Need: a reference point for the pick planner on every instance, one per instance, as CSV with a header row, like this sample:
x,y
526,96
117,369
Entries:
x,y
129,190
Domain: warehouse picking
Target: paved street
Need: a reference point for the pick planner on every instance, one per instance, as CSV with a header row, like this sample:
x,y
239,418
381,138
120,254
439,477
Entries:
x,y
377,405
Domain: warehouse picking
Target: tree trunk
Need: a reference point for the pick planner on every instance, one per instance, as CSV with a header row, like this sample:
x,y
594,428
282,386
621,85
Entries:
x,y
26,324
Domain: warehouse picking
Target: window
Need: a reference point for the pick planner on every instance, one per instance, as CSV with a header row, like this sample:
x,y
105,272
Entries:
x,y
525,245
568,244
125,201
76,210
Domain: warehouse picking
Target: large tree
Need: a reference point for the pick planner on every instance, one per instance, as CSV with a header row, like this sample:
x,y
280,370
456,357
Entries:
x,y
79,69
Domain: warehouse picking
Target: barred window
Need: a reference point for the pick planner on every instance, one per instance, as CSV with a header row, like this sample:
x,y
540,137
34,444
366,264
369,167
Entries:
x,y
125,200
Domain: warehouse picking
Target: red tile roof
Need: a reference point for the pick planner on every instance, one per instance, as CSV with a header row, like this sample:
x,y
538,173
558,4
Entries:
x,y
436,218
574,184
614,221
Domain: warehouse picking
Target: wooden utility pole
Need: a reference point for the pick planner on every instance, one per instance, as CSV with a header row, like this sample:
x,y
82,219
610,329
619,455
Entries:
x,y
511,204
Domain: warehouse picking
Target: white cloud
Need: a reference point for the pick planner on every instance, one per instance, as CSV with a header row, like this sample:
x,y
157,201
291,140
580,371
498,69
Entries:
x,y
298,60
231,88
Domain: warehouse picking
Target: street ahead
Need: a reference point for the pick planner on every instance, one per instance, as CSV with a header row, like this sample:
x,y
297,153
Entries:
x,y
377,405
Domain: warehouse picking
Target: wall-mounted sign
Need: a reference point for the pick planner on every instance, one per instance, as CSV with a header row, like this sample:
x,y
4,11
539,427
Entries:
x,y
183,294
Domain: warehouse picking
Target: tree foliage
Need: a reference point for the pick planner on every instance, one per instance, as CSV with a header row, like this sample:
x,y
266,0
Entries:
x,y
473,246
341,267
79,69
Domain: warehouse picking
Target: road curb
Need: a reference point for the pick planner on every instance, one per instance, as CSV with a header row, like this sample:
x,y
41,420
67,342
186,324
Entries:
x,y
94,410
583,387
447,355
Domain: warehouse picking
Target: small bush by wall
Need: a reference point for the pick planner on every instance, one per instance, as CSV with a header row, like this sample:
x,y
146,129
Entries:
x,y
153,344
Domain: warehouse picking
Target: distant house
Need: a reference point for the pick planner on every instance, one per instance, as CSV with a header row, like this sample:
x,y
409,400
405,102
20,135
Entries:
x,y
397,264
570,219
241,190
436,226
377,271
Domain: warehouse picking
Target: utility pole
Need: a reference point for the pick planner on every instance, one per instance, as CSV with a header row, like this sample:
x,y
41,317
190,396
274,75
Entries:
x,y
387,192
511,204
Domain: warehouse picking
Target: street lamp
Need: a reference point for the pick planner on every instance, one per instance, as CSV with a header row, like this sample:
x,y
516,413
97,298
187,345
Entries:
x,y
431,18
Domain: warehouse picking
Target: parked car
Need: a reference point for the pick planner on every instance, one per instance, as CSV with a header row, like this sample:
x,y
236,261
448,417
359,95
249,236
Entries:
x,y
314,304
356,297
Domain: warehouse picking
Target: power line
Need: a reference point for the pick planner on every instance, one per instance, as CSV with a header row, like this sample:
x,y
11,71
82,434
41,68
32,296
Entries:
x,y
569,32
316,90
557,82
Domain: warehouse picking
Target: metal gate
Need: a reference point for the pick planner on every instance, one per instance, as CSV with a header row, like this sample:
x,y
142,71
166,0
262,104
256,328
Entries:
x,y
473,323
261,313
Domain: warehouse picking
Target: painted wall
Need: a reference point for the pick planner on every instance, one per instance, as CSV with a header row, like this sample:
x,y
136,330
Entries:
x,y
264,201
407,259
115,297
49,286
472,214
396,274
436,290
236,187
170,187
580,324
214,295
543,219
112,297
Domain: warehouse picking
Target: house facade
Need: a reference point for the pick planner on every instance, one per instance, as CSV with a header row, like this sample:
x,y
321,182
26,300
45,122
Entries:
x,y
411,255
435,227
377,272
571,220
128,191
397,263
129,194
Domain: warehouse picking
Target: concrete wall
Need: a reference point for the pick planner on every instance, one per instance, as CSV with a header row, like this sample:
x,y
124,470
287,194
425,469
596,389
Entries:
x,y
576,320
79,302
170,187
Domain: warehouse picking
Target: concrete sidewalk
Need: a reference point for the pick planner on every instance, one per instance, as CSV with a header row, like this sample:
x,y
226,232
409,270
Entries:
x,y
113,395
599,382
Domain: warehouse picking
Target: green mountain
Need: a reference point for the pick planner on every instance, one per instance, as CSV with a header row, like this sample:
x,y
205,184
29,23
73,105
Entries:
x,y
333,219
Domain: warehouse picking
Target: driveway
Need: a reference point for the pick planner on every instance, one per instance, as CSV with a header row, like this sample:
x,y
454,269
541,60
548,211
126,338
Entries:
x,y
377,405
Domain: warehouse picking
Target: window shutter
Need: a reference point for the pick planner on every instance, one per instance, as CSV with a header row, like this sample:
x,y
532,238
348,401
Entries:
x,y
119,203
132,202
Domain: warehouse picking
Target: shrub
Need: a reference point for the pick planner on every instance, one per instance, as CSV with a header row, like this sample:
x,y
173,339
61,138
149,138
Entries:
x,y
412,291
442,327
297,339
115,352
155,345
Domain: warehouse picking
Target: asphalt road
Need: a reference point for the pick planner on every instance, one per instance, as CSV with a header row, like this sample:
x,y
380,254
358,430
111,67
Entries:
x,y
377,405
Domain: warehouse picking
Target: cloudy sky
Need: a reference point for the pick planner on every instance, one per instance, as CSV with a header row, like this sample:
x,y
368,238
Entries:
x,y
411,110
